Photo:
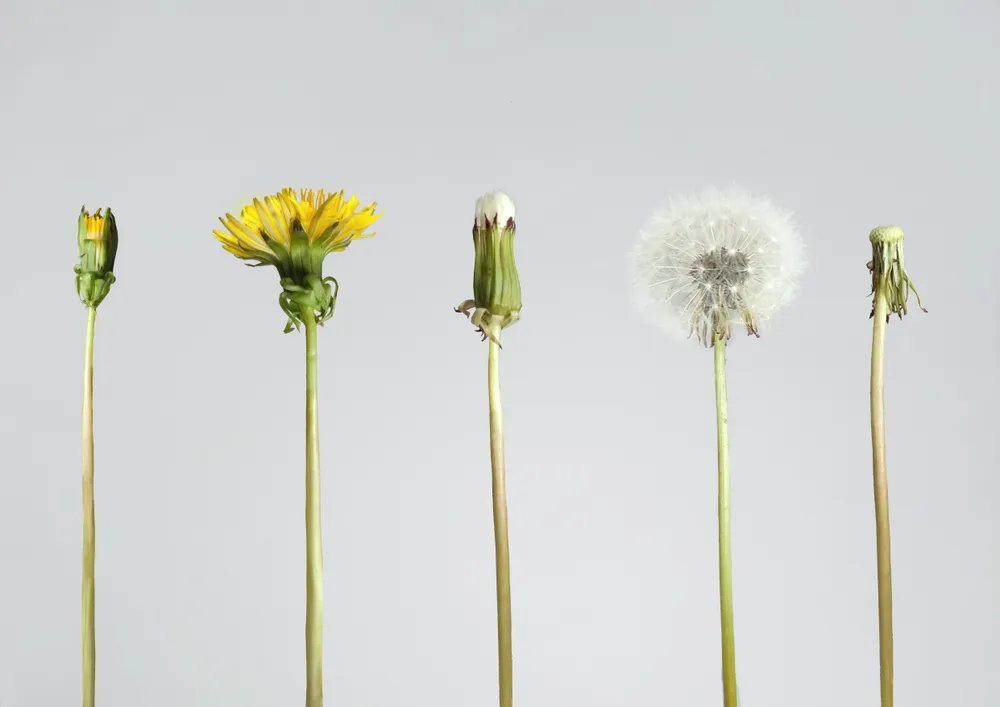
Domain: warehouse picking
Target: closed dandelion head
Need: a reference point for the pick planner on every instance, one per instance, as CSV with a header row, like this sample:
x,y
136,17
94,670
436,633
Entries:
x,y
496,287
97,238
718,260
294,233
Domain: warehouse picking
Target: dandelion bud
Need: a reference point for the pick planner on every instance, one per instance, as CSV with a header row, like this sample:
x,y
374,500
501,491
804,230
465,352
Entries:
x,y
496,287
495,283
97,236
888,270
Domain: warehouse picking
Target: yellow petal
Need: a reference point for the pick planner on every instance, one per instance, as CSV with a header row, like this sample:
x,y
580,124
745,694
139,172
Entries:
x,y
271,219
243,233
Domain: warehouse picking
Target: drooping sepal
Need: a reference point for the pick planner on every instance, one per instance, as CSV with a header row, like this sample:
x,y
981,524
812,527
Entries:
x,y
488,324
314,294
888,270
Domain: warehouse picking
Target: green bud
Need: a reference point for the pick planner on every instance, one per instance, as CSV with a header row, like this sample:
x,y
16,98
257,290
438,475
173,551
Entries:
x,y
496,287
97,237
888,270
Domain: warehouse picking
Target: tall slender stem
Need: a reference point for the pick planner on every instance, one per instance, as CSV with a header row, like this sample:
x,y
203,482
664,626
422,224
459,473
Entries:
x,y
725,542
881,498
314,538
506,658
89,653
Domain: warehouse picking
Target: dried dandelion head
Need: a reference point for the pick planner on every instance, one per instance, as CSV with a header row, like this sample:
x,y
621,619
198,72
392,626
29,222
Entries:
x,y
888,269
720,259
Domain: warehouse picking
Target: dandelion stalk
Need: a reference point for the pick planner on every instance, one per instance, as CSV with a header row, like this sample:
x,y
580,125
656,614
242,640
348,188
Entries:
x,y
88,604
704,266
496,306
506,657
882,551
294,233
97,238
725,543
890,287
314,536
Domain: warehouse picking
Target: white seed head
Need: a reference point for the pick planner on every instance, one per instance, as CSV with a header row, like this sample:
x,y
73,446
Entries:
x,y
708,262
495,205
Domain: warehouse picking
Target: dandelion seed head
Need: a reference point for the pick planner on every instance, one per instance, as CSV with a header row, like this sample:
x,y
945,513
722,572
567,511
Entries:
x,y
718,259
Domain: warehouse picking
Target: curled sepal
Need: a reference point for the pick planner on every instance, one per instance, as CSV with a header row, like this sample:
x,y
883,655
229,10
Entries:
x,y
487,324
314,295
888,270
92,288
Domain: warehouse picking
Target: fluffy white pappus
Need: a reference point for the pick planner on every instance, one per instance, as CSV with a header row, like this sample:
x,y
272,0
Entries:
x,y
495,205
708,262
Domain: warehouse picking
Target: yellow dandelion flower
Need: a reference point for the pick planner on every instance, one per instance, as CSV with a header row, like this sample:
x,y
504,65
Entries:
x,y
294,233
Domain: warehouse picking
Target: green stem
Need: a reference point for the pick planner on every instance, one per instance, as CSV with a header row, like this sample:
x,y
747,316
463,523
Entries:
x,y
725,542
881,484
505,650
87,604
314,539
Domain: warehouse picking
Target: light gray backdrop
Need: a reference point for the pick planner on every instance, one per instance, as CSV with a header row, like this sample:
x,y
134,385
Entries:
x,y
852,115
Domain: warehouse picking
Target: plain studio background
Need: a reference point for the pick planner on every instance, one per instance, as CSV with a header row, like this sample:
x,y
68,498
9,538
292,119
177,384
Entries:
x,y
851,115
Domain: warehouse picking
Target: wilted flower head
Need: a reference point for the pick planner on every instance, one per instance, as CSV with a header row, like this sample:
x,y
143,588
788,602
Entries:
x,y
97,238
294,233
495,284
719,259
888,269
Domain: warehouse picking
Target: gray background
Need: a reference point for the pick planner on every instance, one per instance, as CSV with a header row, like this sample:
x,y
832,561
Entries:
x,y
851,115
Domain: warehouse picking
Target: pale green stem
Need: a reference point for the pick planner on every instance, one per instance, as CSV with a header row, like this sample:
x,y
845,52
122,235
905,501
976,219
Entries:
x,y
505,650
87,604
314,539
881,498
725,542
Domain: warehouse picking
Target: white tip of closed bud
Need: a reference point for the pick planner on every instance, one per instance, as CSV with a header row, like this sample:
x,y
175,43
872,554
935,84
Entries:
x,y
495,205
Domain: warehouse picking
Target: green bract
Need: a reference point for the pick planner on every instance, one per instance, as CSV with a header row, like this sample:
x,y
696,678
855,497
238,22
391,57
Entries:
x,y
495,283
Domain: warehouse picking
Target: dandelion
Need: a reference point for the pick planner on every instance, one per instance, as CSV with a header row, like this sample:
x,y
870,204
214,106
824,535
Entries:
x,y
890,289
97,239
496,306
703,266
295,233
